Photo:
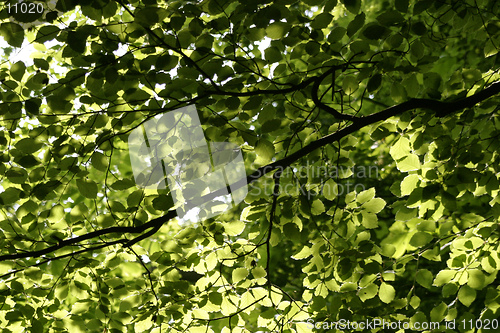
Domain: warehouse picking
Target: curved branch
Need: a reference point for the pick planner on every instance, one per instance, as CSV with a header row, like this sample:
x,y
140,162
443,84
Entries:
x,y
323,106
155,223
441,108
71,254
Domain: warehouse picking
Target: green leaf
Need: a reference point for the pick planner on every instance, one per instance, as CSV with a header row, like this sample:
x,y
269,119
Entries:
x,y
137,97
490,49
411,85
449,289
56,214
330,189
348,286
122,184
476,279
32,106
312,48
259,272
439,312
350,84
352,5
429,226
28,145
374,82
16,175
444,276
420,239
419,28
408,163
318,303
400,149
417,49
232,103
149,16
234,228
336,34
402,5
87,188
17,70
273,54
42,190
390,17
381,131
424,277
365,195
415,302
291,231
100,161
355,24
239,274
277,30
398,92
386,292
166,62
176,22
265,149
374,205
466,295
271,125
374,31
304,253
409,184
46,33
321,21
135,198
317,207
370,220
77,40
13,33
368,292
421,5
253,103
9,196
57,104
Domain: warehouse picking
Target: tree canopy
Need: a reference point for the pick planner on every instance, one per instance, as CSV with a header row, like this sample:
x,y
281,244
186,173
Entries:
x,y
369,132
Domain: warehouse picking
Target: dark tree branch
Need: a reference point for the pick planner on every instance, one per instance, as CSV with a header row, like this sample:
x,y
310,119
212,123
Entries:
x,y
155,223
317,101
71,254
441,108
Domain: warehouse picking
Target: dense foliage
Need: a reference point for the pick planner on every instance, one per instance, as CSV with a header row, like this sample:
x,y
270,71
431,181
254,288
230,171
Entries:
x,y
370,135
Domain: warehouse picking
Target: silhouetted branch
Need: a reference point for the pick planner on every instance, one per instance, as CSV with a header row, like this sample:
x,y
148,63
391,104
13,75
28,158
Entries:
x,y
441,108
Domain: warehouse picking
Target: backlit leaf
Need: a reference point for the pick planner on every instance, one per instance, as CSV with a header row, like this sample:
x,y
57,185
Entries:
x,y
424,277
466,295
17,70
352,5
87,188
239,274
386,292
13,33
265,149
443,277
277,30
420,239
